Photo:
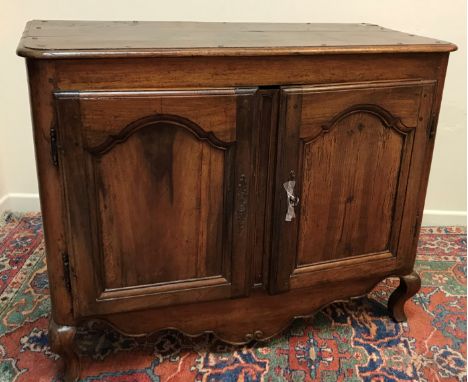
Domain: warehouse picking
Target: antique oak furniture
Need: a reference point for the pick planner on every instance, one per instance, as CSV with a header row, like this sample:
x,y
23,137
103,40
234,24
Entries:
x,y
227,178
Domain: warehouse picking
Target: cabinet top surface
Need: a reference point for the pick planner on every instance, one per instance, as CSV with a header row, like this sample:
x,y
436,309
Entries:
x,y
93,39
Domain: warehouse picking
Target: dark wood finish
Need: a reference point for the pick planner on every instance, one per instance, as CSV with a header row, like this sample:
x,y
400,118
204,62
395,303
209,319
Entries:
x,y
158,207
161,158
409,286
264,175
61,339
202,72
267,313
350,148
41,87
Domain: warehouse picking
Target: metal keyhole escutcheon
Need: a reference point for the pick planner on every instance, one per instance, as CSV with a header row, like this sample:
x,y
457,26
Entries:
x,y
293,200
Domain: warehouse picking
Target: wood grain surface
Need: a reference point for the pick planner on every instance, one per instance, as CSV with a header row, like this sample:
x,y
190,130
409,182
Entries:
x,y
65,39
165,206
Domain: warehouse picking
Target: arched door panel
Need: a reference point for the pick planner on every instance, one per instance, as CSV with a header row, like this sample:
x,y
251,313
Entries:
x,y
348,151
157,185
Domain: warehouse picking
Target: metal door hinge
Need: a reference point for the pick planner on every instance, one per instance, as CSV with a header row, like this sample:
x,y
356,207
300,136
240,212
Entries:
x,y
53,146
433,126
66,271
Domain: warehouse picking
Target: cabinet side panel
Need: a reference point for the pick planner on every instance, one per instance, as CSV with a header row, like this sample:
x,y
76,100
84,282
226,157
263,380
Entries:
x,y
429,115
411,219
41,85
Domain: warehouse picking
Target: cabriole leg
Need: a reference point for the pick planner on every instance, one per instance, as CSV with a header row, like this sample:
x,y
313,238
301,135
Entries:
x,y
409,286
61,340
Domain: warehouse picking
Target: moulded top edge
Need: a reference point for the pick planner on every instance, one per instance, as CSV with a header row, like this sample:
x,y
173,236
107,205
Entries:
x,y
102,39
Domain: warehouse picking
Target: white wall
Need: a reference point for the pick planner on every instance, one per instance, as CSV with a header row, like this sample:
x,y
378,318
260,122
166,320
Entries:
x,y
446,200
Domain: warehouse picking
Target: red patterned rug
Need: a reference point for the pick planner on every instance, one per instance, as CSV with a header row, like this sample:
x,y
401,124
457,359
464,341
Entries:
x,y
352,341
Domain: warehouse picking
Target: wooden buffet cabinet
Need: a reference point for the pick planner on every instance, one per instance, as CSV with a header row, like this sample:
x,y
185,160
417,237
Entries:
x,y
227,177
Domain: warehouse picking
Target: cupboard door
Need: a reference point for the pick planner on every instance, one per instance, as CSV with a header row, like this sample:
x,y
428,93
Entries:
x,y
157,188
349,165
